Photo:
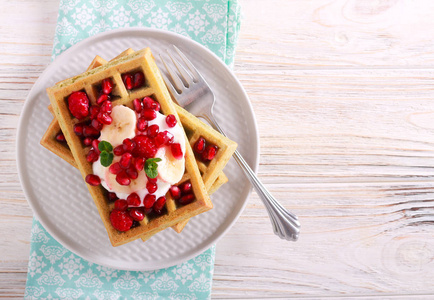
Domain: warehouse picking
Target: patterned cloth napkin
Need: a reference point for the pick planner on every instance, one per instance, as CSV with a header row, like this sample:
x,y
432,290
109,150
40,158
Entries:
x,y
55,272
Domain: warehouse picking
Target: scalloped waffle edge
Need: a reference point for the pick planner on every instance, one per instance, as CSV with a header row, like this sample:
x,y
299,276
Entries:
x,y
141,60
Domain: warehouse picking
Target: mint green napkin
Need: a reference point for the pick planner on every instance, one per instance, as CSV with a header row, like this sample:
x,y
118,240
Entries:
x,y
55,272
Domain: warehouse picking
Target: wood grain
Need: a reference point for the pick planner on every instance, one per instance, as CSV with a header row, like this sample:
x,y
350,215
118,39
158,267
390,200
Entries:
x,y
342,92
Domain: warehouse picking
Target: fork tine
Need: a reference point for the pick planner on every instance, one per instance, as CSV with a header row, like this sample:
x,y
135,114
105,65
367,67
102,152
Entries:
x,y
176,83
169,85
189,64
182,70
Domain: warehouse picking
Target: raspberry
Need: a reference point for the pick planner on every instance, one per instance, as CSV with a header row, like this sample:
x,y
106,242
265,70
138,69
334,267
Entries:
x,y
121,220
78,104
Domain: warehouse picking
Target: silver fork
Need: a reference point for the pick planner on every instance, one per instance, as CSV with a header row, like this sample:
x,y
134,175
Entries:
x,y
192,92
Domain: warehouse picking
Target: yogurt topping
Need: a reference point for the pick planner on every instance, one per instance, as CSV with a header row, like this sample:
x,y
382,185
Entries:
x,y
170,169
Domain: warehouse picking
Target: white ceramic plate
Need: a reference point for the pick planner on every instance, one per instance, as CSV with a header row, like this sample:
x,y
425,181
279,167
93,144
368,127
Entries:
x,y
58,196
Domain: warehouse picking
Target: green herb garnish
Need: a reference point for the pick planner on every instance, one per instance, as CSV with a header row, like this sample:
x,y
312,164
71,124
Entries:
x,y
106,153
151,167
105,146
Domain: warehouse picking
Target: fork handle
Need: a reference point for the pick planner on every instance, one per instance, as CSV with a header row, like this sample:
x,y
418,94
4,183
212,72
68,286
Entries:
x,y
285,224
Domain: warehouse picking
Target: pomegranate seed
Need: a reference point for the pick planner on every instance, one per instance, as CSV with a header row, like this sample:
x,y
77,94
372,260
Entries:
x,y
162,138
176,150
112,197
128,81
102,98
121,204
92,156
78,105
94,111
89,131
153,180
125,161
106,107
148,102
139,163
156,106
122,178
119,150
149,114
95,144
133,199
199,146
139,78
141,124
171,121
186,199
107,86
121,220
209,152
138,106
87,141
104,118
149,200
175,192
159,204
153,130
145,147
60,138
151,187
78,129
137,214
96,124
147,210
128,145
185,188
115,168
92,179
132,172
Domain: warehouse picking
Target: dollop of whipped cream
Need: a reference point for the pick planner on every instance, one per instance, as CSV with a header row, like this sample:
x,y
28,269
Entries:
x,y
170,169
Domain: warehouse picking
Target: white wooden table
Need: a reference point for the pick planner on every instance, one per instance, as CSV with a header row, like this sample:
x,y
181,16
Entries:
x,y
343,92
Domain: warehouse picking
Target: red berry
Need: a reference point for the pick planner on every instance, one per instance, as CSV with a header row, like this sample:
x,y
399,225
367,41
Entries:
x,y
87,141
60,137
176,150
149,200
122,178
132,172
112,197
151,187
119,150
175,192
137,214
107,107
133,199
159,204
78,105
115,168
102,98
92,156
185,188
96,124
145,147
125,161
128,81
139,79
121,204
149,114
92,179
199,146
78,129
94,111
128,145
171,121
107,86
139,163
121,220
209,152
141,124
104,118
186,199
152,130
138,106
89,131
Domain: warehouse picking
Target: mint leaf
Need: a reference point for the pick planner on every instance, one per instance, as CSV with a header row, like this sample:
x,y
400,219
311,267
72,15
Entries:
x,y
151,167
105,146
106,158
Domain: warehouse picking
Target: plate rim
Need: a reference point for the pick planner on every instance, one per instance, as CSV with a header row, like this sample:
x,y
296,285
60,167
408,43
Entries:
x,y
37,87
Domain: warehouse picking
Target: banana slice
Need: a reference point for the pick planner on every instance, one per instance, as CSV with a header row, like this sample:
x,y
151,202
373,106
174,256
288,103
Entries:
x,y
123,126
170,169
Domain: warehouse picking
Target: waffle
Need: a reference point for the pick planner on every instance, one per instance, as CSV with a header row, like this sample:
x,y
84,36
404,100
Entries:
x,y
154,87
211,173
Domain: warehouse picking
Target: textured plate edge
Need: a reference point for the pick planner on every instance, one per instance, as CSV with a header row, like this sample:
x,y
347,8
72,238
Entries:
x,y
21,166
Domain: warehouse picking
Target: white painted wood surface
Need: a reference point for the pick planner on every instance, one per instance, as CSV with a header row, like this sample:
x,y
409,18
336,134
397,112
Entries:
x,y
343,94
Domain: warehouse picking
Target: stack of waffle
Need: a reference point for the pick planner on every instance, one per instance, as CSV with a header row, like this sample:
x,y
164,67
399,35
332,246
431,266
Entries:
x,y
205,177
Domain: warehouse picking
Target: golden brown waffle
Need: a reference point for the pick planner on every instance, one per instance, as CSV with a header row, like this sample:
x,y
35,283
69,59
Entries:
x,y
195,130
155,88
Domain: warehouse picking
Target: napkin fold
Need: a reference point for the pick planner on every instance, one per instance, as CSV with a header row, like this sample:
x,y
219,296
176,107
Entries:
x,y
55,272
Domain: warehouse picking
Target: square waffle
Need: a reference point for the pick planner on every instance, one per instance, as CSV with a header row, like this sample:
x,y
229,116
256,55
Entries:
x,y
89,82
194,127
